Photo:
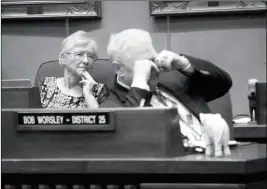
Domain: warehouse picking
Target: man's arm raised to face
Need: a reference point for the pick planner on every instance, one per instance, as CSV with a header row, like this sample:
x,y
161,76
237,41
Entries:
x,y
140,93
205,78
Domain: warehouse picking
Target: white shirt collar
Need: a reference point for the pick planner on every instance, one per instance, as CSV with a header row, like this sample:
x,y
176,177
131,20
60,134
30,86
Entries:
x,y
122,84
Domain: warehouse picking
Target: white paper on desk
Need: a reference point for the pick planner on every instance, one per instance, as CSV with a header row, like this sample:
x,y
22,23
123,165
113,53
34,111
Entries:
x,y
203,145
200,146
242,120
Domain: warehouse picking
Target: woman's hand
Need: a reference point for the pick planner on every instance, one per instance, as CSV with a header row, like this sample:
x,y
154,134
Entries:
x,y
88,87
88,83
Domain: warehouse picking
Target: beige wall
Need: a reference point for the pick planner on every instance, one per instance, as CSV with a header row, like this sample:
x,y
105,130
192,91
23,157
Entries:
x,y
237,44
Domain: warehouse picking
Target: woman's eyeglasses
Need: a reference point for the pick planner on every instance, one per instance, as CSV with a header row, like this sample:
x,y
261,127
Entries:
x,y
80,56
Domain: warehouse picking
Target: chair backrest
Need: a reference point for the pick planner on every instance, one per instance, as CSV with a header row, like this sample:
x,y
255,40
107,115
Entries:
x,y
223,106
102,71
48,69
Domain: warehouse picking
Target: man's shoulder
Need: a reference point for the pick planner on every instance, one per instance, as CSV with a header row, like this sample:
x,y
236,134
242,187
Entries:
x,y
112,100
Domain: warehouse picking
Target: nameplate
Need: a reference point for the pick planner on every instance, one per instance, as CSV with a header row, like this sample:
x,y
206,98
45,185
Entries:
x,y
92,121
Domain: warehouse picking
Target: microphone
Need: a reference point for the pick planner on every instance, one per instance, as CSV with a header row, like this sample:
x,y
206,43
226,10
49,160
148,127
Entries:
x,y
252,98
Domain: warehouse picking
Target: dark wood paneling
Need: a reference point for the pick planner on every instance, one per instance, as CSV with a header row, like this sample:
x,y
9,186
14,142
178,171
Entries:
x,y
261,96
258,185
192,186
250,132
244,160
20,97
139,133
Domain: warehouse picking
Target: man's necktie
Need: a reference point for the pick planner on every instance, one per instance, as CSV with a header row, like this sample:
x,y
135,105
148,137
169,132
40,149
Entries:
x,y
190,127
162,99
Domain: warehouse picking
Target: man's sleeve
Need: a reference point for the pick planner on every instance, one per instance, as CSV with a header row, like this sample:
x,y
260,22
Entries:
x,y
208,80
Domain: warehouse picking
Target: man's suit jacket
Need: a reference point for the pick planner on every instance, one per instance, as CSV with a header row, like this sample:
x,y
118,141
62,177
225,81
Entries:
x,y
206,84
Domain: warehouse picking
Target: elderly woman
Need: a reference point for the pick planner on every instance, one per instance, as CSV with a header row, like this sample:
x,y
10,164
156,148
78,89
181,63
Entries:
x,y
77,89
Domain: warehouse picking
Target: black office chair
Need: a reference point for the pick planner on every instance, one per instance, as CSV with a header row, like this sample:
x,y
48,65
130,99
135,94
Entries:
x,y
102,71
223,106
48,69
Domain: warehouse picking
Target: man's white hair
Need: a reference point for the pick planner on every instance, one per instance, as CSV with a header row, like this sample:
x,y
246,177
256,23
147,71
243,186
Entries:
x,y
78,38
130,45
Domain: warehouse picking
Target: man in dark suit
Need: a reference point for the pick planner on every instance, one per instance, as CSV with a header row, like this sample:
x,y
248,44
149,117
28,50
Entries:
x,y
145,78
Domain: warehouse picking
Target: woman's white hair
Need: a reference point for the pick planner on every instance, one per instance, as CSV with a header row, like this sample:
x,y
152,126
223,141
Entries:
x,y
130,45
78,38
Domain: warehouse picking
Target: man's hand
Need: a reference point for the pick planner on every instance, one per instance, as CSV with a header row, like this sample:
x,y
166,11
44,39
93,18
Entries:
x,y
146,75
168,61
88,83
217,134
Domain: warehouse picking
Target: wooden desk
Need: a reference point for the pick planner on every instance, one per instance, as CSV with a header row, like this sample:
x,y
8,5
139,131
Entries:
x,y
246,168
248,132
134,155
244,159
